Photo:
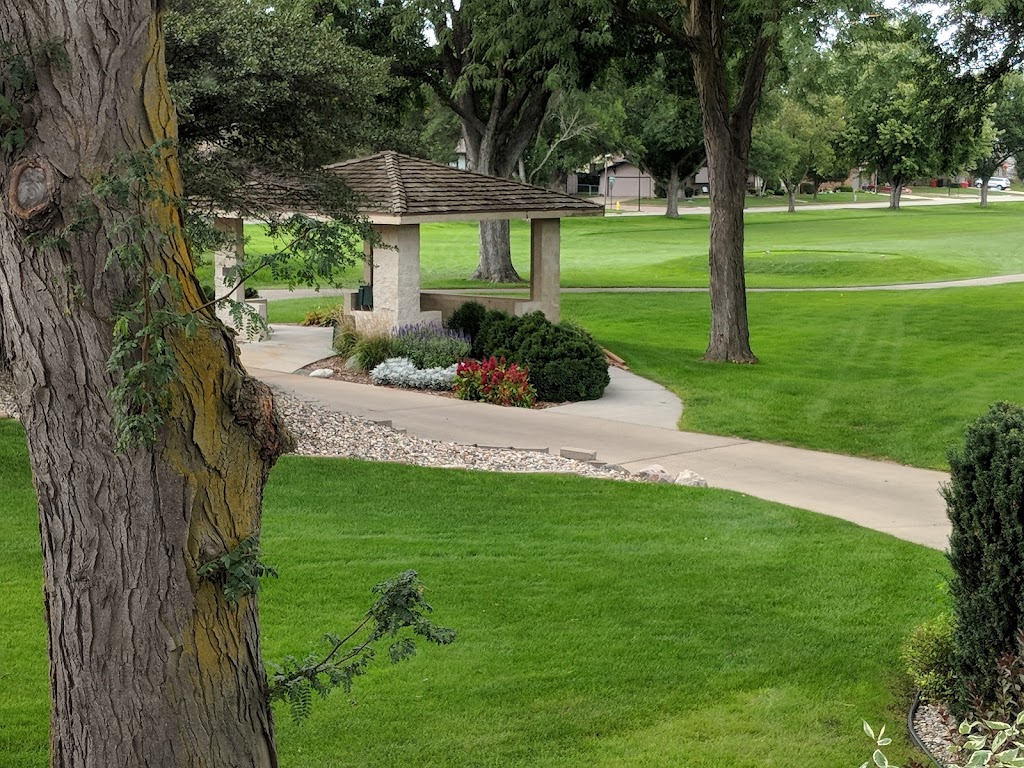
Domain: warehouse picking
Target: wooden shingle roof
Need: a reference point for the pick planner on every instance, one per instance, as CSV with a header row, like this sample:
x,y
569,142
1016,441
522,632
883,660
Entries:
x,y
397,188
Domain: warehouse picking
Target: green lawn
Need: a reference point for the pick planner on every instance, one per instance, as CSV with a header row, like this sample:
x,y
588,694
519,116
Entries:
x,y
600,623
806,248
880,374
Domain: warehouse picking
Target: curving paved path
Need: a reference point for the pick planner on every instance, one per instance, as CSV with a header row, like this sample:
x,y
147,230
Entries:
x,y
901,501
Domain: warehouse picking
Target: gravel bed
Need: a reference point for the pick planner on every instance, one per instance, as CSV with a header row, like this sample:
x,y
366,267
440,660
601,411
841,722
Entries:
x,y
937,729
323,432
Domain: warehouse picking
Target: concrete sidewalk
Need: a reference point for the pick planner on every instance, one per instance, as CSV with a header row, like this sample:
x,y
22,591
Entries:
x,y
901,501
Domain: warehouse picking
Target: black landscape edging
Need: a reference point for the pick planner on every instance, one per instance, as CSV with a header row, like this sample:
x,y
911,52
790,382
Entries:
x,y
913,733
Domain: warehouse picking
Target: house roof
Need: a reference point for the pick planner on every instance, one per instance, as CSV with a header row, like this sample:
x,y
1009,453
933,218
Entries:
x,y
397,188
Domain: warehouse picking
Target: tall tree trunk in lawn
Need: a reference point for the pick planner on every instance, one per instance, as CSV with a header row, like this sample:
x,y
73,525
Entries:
x,y
672,193
791,196
727,137
984,193
894,195
149,665
727,174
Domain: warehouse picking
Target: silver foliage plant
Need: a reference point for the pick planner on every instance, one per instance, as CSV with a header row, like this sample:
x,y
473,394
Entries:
x,y
401,372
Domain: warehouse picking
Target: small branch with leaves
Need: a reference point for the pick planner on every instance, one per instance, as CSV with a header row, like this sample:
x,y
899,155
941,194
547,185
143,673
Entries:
x,y
399,613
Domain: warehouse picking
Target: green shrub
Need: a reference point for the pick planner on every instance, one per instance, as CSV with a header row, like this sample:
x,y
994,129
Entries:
x,y
985,504
467,318
373,350
496,330
428,345
565,362
929,658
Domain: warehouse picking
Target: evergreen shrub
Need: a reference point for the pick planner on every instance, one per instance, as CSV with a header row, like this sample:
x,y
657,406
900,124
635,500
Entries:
x,y
468,318
565,363
985,504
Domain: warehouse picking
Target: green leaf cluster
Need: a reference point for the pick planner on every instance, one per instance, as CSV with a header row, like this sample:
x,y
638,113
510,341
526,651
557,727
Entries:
x,y
399,614
239,571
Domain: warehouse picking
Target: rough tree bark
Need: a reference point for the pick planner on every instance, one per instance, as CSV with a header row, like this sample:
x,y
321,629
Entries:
x,y
895,194
149,666
499,121
493,147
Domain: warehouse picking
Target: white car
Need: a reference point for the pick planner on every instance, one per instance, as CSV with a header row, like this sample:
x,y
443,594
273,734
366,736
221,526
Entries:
x,y
996,182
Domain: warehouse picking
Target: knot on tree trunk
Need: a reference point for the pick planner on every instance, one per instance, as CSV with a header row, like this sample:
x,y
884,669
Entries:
x,y
253,407
32,192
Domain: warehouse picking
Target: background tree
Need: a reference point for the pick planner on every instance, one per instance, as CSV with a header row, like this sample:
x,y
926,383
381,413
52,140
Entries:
x,y
579,126
663,113
1007,131
266,98
785,146
909,114
731,45
496,65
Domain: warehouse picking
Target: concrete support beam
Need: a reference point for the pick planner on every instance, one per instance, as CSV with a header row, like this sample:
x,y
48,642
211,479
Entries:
x,y
545,270
395,267
233,255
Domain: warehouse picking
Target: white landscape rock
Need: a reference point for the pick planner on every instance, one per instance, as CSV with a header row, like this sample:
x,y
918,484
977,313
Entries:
x,y
322,373
655,473
691,478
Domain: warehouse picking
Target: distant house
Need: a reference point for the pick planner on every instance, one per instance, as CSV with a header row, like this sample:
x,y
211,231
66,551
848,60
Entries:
x,y
621,179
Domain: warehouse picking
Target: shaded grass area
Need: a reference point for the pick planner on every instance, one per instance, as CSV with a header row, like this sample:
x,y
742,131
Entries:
x,y
600,623
807,248
894,375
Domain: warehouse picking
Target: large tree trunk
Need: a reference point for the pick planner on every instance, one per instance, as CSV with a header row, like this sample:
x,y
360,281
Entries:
x,y
984,193
149,665
727,138
791,195
672,193
894,196
495,263
727,174
496,254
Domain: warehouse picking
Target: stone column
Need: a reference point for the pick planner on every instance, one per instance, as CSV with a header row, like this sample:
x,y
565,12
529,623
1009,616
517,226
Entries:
x,y
545,270
232,255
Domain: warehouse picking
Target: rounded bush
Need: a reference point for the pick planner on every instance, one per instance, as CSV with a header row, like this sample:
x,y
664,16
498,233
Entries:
x,y
467,318
929,657
565,363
